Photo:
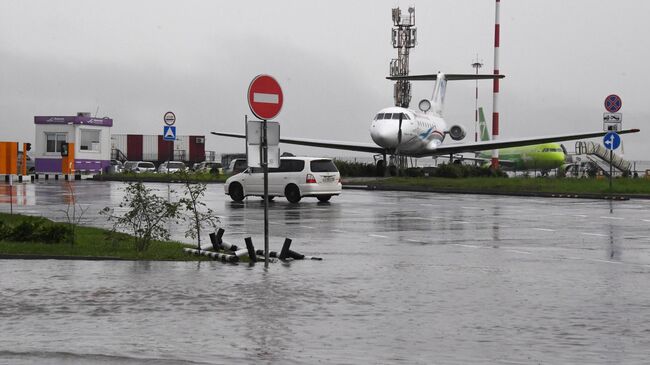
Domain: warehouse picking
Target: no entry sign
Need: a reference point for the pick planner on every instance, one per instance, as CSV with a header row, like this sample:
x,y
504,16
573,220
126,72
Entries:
x,y
265,97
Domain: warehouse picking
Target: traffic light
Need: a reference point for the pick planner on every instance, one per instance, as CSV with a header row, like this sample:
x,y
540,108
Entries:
x,y
28,146
64,149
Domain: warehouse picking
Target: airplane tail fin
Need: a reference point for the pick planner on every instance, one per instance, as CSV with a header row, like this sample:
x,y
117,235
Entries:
x,y
482,125
438,98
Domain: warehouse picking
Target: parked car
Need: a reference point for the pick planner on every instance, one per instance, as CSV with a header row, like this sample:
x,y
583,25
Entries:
x,y
297,177
209,166
139,166
115,167
29,162
236,166
171,167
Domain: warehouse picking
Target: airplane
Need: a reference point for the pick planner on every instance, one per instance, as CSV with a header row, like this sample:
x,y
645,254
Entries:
x,y
407,132
544,157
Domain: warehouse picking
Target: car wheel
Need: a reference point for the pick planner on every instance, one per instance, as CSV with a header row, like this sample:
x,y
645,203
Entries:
x,y
292,193
236,192
324,198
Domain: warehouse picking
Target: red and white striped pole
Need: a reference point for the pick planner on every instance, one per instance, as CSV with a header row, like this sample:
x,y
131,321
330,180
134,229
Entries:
x,y
495,90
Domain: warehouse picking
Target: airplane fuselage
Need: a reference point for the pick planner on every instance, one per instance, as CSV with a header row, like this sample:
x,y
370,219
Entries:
x,y
420,132
545,156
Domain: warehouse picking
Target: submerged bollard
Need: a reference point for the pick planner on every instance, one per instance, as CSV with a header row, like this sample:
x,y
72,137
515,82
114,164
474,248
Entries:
x,y
272,254
285,249
250,248
215,255
219,244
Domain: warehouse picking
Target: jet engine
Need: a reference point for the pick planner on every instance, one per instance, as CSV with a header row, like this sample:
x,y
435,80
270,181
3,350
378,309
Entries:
x,y
457,132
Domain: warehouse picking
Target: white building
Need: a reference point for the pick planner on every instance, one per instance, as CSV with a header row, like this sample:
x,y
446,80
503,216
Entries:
x,y
91,138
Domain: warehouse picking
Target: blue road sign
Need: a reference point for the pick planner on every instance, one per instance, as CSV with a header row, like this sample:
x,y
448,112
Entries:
x,y
169,133
613,103
612,140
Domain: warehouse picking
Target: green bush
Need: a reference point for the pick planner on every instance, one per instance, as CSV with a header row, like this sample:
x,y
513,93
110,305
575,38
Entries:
x,y
53,233
25,231
5,231
458,171
355,169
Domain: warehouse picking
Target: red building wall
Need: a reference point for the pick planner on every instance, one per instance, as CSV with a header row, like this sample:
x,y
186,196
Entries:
x,y
197,150
134,147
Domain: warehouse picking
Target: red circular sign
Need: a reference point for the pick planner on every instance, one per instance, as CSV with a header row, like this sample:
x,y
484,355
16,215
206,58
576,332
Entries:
x,y
613,103
265,97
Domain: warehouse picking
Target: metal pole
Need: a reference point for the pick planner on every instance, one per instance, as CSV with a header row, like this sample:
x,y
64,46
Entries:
x,y
476,65
11,195
611,153
495,87
265,166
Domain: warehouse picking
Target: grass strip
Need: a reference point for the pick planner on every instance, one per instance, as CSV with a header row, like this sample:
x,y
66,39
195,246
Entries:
x,y
95,242
521,185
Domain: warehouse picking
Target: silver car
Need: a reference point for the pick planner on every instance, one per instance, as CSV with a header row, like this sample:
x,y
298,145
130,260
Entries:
x,y
171,167
139,166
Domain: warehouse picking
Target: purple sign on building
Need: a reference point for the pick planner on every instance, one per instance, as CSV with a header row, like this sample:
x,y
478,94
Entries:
x,y
104,122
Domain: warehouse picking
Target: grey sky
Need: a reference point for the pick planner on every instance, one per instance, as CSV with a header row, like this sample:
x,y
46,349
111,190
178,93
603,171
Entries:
x,y
137,59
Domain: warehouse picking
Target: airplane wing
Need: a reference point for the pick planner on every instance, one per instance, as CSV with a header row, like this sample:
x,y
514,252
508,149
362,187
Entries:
x,y
490,145
349,146
449,77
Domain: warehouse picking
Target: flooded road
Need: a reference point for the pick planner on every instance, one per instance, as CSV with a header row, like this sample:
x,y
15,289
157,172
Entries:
x,y
412,278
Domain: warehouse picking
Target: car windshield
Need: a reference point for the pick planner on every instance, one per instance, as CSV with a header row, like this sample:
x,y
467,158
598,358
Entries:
x,y
146,165
323,166
176,165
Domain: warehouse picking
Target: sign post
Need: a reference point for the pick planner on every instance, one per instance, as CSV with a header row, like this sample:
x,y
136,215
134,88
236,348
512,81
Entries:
x,y
169,134
265,101
612,122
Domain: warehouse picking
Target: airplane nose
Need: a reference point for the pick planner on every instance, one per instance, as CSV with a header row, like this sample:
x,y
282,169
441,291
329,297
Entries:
x,y
385,134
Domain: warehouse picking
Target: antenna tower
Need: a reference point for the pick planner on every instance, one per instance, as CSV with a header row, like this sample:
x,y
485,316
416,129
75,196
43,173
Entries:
x,y
404,38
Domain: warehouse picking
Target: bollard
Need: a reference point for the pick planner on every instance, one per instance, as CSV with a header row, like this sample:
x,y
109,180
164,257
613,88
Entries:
x,y
250,248
218,243
213,240
215,255
272,254
241,252
285,249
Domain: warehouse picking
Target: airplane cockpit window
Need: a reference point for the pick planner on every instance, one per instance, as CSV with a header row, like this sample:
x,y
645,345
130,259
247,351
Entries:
x,y
380,116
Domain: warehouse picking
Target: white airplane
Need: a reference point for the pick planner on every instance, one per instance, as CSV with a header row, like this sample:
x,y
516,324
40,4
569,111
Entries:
x,y
407,132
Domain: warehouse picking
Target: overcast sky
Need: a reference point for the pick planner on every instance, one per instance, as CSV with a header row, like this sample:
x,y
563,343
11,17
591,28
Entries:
x,y
134,60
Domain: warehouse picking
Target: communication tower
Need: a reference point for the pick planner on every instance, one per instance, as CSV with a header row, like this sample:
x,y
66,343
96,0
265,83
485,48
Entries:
x,y
404,38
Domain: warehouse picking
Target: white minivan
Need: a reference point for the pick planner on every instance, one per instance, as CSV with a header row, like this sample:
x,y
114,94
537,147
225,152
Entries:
x,y
297,177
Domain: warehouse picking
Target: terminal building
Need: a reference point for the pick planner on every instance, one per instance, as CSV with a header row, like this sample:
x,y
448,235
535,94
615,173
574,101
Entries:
x,y
88,139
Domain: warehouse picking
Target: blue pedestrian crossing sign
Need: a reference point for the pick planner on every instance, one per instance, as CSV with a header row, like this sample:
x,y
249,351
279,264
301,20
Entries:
x,y
169,133
612,140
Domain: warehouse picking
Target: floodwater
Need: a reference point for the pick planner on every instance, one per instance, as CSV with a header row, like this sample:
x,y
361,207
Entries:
x,y
411,278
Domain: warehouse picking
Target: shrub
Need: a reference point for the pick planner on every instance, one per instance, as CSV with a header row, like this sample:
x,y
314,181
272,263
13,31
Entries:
x,y
53,233
355,169
146,216
25,231
459,170
5,231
